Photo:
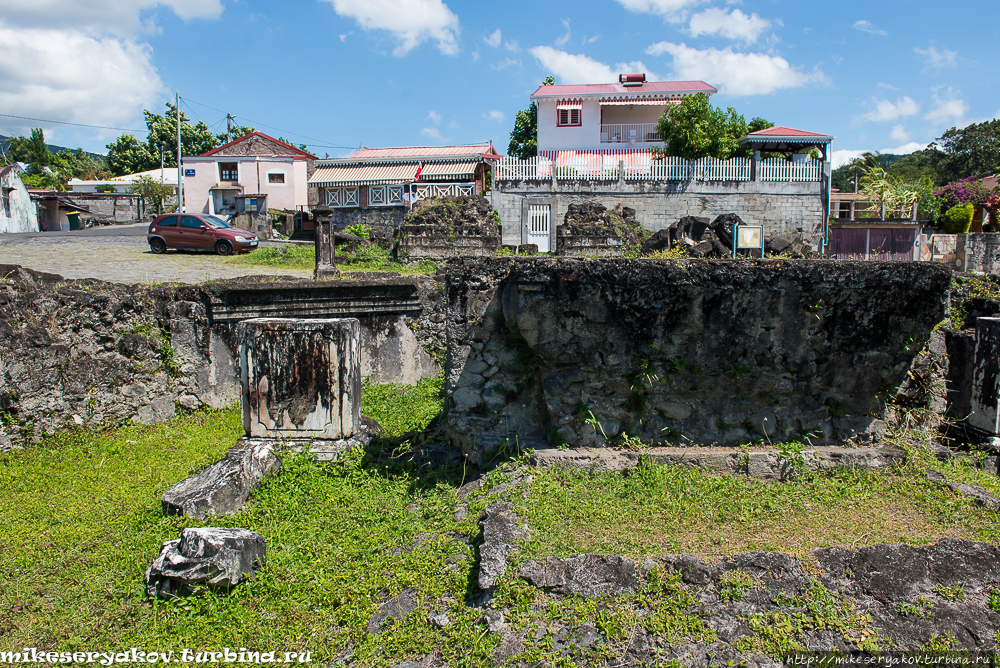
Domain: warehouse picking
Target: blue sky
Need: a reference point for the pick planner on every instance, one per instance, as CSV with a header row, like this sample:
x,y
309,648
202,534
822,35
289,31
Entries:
x,y
335,74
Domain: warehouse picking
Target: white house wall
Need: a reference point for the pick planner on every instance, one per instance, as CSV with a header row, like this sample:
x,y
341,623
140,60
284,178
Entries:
x,y
23,216
587,135
253,177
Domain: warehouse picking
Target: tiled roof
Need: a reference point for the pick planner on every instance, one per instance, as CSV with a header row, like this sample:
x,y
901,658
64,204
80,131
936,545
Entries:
x,y
783,132
414,152
657,88
292,150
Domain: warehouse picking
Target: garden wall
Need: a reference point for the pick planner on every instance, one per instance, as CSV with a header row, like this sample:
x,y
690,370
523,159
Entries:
x,y
585,352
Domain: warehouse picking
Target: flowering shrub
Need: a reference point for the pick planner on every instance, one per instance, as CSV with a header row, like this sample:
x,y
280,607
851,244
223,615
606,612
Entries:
x,y
964,191
993,206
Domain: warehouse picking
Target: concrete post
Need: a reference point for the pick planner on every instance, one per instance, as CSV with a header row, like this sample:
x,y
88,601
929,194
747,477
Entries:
x,y
300,378
986,377
326,250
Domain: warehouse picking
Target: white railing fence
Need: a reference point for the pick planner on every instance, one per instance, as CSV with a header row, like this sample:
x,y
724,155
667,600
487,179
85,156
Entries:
x,y
612,165
425,191
624,133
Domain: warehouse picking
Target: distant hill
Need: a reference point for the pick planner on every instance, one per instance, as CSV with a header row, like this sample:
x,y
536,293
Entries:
x,y
52,147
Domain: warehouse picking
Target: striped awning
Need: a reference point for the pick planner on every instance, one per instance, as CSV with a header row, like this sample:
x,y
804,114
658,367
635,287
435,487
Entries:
x,y
363,175
436,171
658,102
569,104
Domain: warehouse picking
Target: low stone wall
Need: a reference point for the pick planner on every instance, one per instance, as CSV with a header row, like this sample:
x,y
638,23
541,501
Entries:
x,y
586,352
434,242
119,208
93,353
579,246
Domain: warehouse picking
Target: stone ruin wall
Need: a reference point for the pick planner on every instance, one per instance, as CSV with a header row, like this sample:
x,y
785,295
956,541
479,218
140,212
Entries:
x,y
790,210
694,352
92,353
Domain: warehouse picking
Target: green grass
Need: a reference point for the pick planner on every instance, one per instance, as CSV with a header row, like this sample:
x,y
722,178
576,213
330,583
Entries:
x,y
301,256
81,522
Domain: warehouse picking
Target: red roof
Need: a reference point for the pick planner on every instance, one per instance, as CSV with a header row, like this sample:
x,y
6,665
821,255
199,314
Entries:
x,y
672,87
782,131
294,151
484,150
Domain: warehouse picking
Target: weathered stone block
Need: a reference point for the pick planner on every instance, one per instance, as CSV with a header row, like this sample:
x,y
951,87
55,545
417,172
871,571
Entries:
x,y
205,557
301,378
986,377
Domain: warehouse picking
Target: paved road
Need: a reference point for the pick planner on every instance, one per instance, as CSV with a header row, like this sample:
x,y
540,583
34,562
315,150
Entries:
x,y
120,254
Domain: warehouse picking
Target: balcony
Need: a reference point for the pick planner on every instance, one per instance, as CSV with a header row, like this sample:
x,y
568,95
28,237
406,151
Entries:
x,y
629,133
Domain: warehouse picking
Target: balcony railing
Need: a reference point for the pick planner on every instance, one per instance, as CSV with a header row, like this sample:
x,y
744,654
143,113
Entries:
x,y
629,133
638,165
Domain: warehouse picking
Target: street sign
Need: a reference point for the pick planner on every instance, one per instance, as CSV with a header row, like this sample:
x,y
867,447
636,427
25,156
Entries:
x,y
748,237
188,172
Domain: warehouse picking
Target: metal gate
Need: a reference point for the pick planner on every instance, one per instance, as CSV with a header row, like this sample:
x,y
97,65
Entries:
x,y
538,226
873,244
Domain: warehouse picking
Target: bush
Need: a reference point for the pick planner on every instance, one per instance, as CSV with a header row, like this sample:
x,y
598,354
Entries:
x,y
958,219
359,230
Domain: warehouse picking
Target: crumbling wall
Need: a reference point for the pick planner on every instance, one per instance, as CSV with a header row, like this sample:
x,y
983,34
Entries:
x,y
93,353
587,352
442,228
591,229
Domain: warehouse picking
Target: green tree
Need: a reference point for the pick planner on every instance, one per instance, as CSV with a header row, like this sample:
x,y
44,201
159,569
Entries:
x,y
524,136
32,150
127,155
151,192
695,129
972,151
299,146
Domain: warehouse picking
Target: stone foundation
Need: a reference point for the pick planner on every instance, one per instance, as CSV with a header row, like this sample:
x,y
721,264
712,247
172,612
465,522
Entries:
x,y
591,352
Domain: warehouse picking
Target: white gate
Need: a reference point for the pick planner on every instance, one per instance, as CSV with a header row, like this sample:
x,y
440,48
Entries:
x,y
538,226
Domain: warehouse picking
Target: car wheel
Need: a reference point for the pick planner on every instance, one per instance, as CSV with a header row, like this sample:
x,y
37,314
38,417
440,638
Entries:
x,y
223,248
158,246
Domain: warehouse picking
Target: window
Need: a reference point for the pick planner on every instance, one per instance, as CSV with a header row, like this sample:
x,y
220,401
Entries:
x,y
6,205
191,222
569,117
169,221
276,178
228,171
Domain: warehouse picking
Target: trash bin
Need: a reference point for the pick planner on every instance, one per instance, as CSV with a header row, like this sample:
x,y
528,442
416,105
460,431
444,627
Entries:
x,y
74,220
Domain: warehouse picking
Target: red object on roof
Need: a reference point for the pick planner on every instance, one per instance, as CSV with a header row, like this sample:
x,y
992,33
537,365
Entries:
x,y
782,131
294,152
661,87
484,150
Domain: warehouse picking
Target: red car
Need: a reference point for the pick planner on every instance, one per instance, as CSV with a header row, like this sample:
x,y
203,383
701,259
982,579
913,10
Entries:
x,y
198,231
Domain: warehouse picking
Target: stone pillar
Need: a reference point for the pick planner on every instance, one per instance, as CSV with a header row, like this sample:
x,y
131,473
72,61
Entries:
x,y
986,377
325,251
300,378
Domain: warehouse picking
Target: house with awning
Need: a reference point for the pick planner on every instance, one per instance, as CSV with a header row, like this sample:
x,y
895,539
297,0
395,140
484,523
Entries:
x,y
398,177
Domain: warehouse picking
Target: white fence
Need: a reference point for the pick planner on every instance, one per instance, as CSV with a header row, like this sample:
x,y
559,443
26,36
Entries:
x,y
776,169
422,191
640,166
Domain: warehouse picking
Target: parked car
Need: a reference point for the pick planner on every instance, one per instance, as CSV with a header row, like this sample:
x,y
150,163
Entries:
x,y
197,230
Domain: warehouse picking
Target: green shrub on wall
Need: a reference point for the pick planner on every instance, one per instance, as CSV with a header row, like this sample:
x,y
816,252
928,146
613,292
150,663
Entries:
x,y
958,219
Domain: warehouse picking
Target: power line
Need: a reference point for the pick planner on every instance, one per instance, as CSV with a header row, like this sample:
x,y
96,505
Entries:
x,y
82,125
264,125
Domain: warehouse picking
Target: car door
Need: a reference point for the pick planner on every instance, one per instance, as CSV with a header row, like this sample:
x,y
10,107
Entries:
x,y
194,233
167,229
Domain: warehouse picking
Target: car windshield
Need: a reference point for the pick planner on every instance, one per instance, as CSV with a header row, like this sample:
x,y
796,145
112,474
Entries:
x,y
216,222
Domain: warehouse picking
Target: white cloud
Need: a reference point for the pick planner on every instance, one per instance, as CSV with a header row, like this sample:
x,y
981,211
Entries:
x,y
899,134
343,36
432,133
887,111
591,40
735,26
512,45
410,21
580,69
951,109
905,149
869,27
734,73
844,157
434,117
495,115
936,60
73,77
494,38
565,38
504,64
886,86
117,17
672,10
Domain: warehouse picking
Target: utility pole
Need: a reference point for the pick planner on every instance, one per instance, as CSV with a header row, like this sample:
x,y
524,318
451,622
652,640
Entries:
x,y
180,169
229,126
159,200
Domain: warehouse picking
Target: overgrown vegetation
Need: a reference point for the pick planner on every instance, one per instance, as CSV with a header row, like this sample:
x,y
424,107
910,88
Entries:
x,y
82,521
303,256
965,289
